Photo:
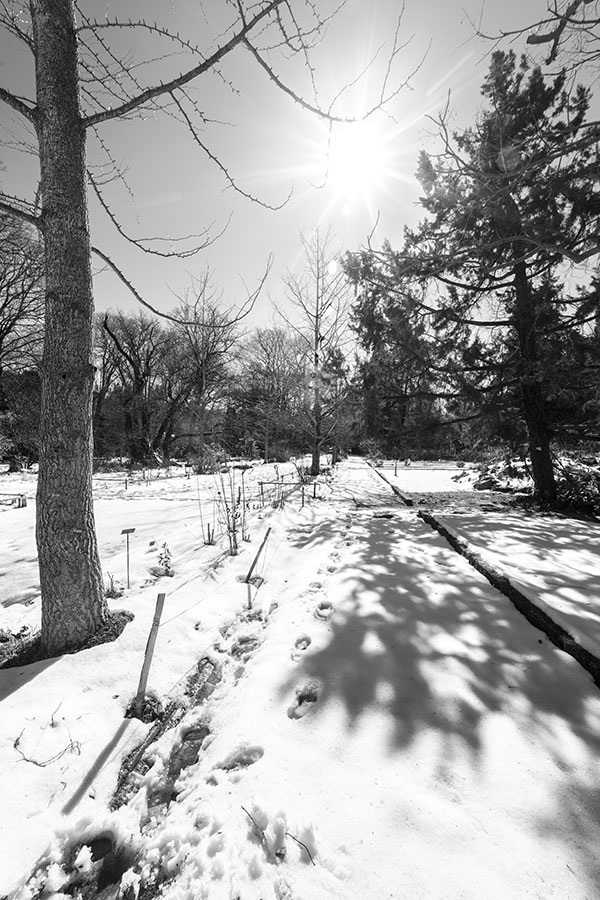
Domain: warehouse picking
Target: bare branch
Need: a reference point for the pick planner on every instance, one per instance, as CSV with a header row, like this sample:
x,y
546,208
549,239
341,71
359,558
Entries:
x,y
169,86
20,208
245,310
554,36
140,242
18,104
222,167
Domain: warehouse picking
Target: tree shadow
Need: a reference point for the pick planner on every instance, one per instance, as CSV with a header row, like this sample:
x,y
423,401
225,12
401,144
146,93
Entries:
x,y
559,556
418,634
25,659
14,678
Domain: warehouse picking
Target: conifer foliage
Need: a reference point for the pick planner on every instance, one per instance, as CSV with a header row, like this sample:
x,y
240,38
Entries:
x,y
511,201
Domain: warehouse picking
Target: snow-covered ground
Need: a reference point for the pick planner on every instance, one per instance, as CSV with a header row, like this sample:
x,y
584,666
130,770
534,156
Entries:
x,y
429,476
390,726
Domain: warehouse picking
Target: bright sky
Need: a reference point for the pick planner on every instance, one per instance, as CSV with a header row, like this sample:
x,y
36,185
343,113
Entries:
x,y
270,146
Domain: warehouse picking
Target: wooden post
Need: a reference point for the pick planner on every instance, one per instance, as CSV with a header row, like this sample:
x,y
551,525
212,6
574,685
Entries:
x,y
302,507
128,531
141,691
260,549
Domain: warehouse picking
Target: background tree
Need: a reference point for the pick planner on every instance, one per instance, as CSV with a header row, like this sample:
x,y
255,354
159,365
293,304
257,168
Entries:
x,y
400,362
320,298
107,432
141,343
200,339
21,325
266,396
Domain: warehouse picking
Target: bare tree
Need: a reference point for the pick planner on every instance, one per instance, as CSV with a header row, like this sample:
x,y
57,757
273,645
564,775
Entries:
x,y
142,344
83,81
21,295
271,374
199,341
106,363
320,296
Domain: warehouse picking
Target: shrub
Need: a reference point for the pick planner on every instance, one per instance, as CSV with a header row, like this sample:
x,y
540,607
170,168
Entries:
x,y
210,460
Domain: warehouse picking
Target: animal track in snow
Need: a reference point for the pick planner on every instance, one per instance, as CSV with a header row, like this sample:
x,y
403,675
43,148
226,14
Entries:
x,y
245,755
306,697
324,609
244,646
301,644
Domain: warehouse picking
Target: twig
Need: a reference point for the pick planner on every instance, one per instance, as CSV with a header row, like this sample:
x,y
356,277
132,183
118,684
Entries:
x,y
52,723
72,747
263,839
310,856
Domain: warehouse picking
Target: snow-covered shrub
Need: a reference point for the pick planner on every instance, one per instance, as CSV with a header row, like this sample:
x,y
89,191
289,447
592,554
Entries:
x,y
113,587
370,447
211,459
578,486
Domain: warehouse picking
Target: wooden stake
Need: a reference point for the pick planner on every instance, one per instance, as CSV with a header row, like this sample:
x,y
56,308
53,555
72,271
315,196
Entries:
x,y
260,549
141,691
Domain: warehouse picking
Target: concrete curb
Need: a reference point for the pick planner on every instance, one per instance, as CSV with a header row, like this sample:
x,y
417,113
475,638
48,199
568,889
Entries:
x,y
404,497
538,618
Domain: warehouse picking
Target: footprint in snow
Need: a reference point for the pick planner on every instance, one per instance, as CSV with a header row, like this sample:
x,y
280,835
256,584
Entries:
x,y
323,610
306,697
301,644
244,646
245,755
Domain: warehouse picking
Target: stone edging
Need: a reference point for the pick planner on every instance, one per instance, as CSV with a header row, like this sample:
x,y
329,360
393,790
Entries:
x,y
405,499
559,637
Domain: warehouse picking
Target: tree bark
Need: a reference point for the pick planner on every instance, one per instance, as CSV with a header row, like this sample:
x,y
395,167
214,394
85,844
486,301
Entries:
x,y
532,397
73,604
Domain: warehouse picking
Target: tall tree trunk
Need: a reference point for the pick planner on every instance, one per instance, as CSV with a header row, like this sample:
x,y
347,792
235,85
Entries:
x,y
162,441
266,454
73,604
315,467
532,396
317,439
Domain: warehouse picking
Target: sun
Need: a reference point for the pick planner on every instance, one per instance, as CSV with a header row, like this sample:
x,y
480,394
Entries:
x,y
358,161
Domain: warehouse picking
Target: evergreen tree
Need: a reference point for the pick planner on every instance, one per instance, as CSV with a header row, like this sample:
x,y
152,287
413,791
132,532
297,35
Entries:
x,y
511,199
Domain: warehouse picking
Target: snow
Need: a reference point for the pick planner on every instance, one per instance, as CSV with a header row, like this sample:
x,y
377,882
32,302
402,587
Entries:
x,y
554,561
388,726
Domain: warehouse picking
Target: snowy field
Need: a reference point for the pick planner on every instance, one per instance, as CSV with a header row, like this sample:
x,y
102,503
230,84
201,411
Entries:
x,y
389,726
429,476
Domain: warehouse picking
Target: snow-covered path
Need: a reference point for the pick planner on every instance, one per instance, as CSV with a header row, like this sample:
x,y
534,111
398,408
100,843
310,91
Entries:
x,y
391,728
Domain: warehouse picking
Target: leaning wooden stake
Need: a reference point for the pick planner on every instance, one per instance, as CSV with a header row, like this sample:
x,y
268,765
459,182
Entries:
x,y
141,691
260,549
